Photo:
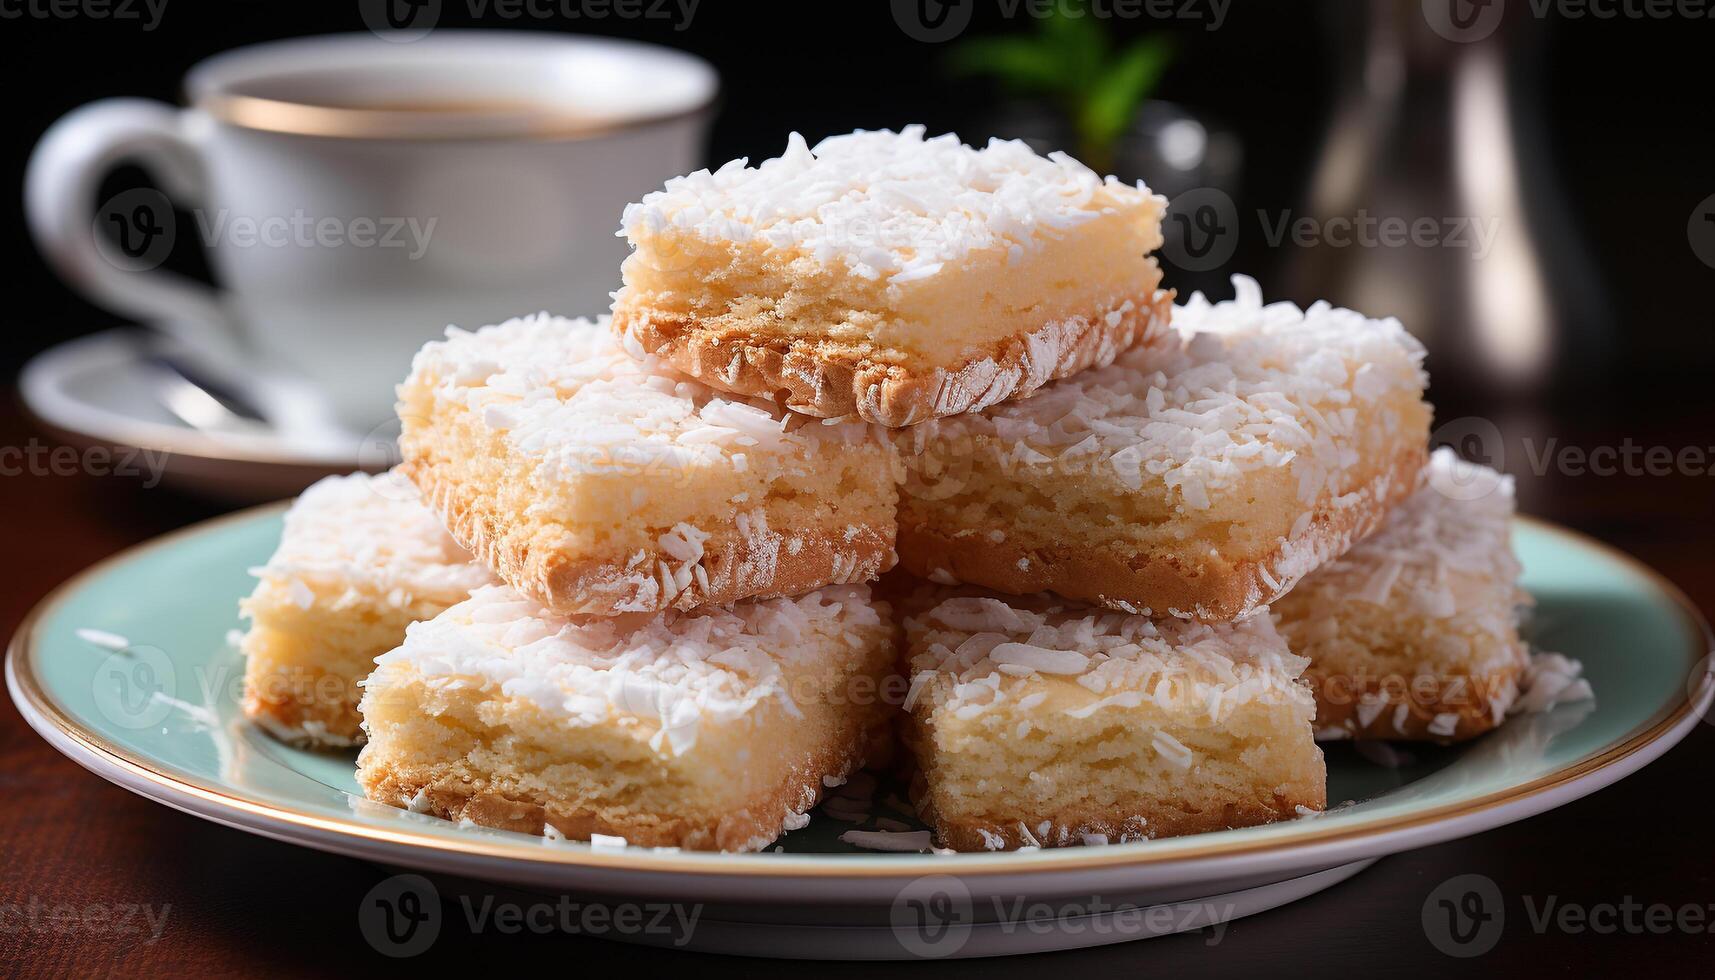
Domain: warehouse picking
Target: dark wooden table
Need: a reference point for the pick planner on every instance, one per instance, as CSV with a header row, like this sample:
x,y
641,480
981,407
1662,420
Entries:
x,y
233,903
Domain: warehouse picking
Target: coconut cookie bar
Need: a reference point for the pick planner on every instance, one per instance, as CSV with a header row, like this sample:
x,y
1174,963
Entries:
x,y
1199,482
1037,722
599,484
359,560
713,729
1413,634
892,277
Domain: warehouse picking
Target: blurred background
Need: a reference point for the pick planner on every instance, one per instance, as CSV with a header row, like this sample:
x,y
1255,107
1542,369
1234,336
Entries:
x,y
1526,185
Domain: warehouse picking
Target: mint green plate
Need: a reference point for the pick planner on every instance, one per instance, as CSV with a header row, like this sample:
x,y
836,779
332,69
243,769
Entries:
x,y
162,719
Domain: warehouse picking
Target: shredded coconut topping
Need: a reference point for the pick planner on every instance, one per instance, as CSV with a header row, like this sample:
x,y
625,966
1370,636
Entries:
x,y
1247,387
1552,679
362,535
887,205
1409,563
674,671
565,392
985,646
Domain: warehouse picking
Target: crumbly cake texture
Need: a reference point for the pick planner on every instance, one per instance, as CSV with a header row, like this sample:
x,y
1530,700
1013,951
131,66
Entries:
x,y
1413,633
892,277
1199,481
601,484
1037,722
713,729
359,560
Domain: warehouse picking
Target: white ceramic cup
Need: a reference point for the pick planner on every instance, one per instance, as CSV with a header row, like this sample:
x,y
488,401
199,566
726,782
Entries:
x,y
356,195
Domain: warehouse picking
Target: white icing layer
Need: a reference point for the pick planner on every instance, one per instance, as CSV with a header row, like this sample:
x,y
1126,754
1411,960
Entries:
x,y
361,536
887,205
1410,562
564,392
1247,387
984,643
676,671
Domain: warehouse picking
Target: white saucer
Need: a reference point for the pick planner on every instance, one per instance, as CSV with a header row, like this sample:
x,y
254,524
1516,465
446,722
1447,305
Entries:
x,y
102,390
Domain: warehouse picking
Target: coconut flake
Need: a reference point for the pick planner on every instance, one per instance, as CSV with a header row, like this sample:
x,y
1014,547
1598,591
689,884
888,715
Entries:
x,y
102,639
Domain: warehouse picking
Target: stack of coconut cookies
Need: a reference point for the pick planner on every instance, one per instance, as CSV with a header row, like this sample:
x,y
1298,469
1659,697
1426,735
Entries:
x,y
1137,558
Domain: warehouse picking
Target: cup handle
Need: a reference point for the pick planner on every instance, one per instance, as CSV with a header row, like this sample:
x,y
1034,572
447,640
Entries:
x,y
60,184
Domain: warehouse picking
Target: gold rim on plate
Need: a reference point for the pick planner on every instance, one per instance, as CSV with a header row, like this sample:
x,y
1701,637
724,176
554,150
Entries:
x,y
25,645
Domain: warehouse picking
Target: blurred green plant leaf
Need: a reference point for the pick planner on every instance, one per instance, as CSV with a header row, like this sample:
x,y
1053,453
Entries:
x,y
1070,59
1110,104
1023,63
1080,45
